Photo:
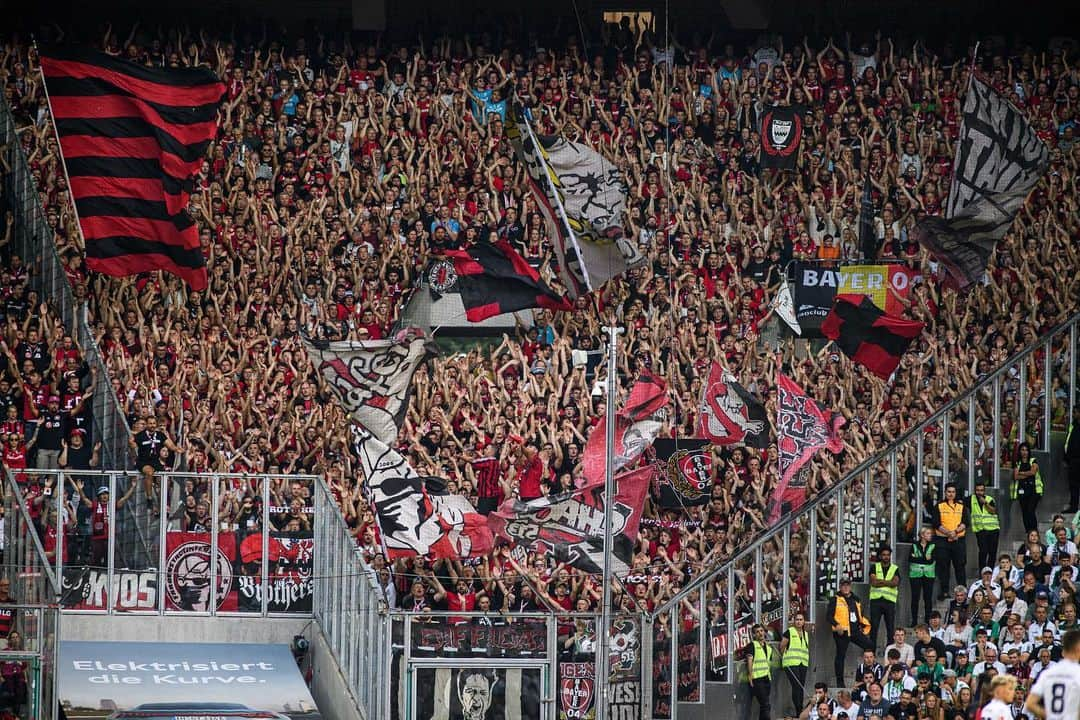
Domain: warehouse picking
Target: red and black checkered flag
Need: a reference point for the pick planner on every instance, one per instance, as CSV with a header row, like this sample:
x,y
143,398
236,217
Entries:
x,y
867,335
132,138
492,279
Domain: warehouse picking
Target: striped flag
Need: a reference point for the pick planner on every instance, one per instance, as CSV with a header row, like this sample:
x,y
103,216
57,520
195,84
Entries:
x,y
131,138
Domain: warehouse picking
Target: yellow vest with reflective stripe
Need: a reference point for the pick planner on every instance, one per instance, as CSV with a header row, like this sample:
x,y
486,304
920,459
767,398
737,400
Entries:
x,y
884,593
798,649
1014,489
762,661
982,520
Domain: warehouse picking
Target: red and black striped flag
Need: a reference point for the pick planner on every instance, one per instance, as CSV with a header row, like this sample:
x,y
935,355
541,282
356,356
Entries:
x,y
867,335
132,137
492,278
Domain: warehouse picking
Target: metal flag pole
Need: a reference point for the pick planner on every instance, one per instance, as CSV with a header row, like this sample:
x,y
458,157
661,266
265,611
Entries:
x,y
603,632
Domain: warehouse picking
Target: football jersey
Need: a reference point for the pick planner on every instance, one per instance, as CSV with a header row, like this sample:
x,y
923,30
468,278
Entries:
x,y
997,710
1059,688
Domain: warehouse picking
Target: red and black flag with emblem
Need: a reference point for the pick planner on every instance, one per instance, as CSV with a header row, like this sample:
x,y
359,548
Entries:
x,y
867,335
492,279
132,138
685,471
781,133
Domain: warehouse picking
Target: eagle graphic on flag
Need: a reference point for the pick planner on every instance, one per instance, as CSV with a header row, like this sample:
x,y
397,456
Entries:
x,y
802,429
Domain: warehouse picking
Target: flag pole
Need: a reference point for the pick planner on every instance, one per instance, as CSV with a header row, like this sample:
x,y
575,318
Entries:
x,y
603,659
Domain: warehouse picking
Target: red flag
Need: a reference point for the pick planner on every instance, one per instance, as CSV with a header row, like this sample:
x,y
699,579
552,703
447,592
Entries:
x,y
132,138
867,335
636,426
802,429
729,414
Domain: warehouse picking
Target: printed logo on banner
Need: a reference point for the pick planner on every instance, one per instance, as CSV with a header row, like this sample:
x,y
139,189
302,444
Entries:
x,y
187,576
690,472
624,646
442,276
577,689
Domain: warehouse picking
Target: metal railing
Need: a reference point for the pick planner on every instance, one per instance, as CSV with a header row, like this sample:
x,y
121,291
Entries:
x,y
29,613
350,608
222,544
886,499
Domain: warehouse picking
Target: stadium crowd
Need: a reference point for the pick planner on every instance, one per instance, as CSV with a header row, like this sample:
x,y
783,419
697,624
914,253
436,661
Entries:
x,y
342,167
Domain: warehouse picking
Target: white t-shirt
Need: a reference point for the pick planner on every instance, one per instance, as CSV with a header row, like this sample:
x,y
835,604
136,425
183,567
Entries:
x,y
1059,688
997,710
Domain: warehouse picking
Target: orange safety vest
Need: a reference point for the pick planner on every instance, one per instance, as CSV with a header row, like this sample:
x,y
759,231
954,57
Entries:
x,y
951,515
844,615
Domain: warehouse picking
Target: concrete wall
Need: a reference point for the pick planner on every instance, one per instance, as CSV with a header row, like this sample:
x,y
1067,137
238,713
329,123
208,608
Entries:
x,y
328,685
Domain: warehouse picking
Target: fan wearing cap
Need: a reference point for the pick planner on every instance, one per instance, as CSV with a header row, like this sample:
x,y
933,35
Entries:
x,y
49,435
100,519
986,582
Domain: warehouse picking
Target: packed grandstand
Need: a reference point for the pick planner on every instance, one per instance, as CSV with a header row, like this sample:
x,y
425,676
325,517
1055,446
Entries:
x,y
341,169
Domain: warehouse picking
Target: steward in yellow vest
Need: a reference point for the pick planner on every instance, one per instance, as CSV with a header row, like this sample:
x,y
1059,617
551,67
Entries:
x,y
921,572
951,519
795,649
849,625
759,663
884,581
985,525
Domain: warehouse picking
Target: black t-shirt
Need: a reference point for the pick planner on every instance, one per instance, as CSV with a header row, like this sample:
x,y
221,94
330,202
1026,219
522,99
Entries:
x,y
149,444
936,644
869,710
50,430
79,458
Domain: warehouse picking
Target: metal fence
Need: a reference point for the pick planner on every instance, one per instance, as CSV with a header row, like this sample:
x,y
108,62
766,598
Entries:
x,y
350,608
886,499
221,544
29,649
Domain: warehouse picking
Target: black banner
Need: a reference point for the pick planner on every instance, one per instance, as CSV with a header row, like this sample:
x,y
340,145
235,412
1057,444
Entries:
x,y
479,636
781,133
686,471
577,691
663,685
477,693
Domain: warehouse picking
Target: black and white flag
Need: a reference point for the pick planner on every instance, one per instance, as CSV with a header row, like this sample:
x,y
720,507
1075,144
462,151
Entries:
x,y
999,159
372,379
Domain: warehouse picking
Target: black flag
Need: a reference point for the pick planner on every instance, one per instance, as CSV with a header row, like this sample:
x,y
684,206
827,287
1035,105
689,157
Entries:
x,y
868,238
999,159
781,133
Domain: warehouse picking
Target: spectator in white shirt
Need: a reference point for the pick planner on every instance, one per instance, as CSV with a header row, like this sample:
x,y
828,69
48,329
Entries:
x,y
957,634
1017,639
991,588
1040,623
1043,662
1009,604
1007,574
1062,545
901,645
990,661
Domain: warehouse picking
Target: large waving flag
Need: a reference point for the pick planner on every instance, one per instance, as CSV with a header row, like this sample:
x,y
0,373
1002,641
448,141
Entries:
x,y
570,526
636,426
132,138
999,159
582,199
803,429
416,515
729,414
867,335
372,379
492,279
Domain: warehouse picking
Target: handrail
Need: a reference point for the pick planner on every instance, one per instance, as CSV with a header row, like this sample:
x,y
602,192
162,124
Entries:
x,y
859,472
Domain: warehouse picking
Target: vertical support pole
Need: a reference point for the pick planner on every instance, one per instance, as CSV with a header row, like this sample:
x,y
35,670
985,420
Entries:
x,y
868,525
603,633
1072,369
785,585
813,565
1048,392
215,498
163,539
840,549
1021,433
971,443
111,551
996,417
264,570
920,478
730,613
759,581
946,430
892,501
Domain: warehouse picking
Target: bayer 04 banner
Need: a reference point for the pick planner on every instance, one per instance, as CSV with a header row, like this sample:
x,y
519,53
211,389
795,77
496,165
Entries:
x,y
817,285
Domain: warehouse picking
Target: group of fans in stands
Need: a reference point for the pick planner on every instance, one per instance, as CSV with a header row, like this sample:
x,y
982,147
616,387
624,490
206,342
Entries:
x,y
342,168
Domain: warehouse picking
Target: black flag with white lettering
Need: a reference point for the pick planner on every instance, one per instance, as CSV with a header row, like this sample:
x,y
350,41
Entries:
x,y
781,133
999,159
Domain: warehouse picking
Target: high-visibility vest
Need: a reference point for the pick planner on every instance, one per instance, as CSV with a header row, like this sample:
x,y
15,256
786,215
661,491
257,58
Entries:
x,y
1014,490
951,516
762,661
843,614
982,519
922,563
884,593
798,649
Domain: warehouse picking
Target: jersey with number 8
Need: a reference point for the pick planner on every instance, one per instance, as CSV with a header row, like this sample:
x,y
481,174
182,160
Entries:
x,y
1059,688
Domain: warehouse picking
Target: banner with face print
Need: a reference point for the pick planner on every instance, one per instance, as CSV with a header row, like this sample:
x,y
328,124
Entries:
x,y
372,379
781,133
476,693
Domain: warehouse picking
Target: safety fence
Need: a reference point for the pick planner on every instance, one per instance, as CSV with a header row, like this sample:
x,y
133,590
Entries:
x,y
29,615
886,499
220,544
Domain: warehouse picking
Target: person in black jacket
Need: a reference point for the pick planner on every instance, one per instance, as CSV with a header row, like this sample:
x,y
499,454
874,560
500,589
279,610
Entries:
x,y
1072,460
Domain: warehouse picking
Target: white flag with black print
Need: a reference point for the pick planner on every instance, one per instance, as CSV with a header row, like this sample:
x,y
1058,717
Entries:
x,y
999,159
372,379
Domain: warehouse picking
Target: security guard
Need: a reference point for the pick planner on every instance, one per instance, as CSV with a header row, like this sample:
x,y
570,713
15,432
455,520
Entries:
x,y
759,662
1072,460
921,572
985,525
884,581
951,518
795,651
849,625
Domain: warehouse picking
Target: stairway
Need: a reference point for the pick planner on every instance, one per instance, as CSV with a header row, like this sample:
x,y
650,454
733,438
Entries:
x,y
723,701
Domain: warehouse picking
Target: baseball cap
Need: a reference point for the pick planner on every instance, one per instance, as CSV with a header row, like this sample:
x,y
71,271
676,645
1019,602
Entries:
x,y
102,490
54,398
987,570
1042,595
